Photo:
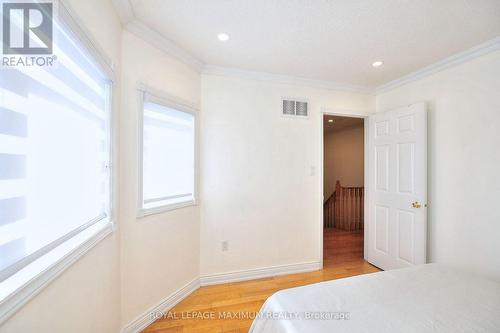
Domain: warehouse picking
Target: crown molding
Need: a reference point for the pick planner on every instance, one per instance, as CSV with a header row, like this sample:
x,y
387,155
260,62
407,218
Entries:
x,y
284,79
130,22
456,59
125,10
156,39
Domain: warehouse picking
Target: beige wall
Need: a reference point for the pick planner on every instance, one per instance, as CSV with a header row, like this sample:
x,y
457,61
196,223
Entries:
x,y
257,190
343,158
86,297
463,160
159,253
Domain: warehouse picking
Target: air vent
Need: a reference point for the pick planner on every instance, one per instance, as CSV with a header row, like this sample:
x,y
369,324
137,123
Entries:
x,y
294,108
289,107
301,109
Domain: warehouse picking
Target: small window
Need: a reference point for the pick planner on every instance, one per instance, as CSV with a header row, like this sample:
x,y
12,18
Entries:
x,y
168,156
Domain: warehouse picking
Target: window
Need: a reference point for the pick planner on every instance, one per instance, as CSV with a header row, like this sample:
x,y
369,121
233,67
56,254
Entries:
x,y
168,155
54,152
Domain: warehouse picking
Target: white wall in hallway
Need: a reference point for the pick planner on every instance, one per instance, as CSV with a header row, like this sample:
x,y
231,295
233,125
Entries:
x,y
344,158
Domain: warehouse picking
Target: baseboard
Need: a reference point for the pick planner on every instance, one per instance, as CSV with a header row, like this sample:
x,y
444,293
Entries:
x,y
166,304
259,273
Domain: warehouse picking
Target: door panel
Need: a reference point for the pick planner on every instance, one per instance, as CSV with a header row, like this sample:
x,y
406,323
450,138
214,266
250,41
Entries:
x,y
382,229
406,167
397,178
405,236
382,128
382,167
406,124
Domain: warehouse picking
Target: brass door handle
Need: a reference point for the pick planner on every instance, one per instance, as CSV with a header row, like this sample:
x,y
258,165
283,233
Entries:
x,y
416,204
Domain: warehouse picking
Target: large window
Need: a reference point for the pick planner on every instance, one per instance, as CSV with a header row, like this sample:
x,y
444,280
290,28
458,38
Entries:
x,y
54,152
168,155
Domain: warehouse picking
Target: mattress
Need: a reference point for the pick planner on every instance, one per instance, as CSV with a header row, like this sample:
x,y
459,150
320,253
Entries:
x,y
426,298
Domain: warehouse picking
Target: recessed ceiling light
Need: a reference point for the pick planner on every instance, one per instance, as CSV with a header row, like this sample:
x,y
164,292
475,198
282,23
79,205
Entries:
x,y
377,63
223,37
330,120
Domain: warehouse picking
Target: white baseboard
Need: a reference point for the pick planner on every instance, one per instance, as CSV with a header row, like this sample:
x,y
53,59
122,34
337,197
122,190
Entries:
x,y
148,317
259,273
166,304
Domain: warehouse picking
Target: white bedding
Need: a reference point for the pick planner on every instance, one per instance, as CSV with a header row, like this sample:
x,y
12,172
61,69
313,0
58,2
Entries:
x,y
428,298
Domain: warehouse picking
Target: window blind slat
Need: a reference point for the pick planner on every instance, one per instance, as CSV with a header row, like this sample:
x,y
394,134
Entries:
x,y
71,48
12,252
12,166
77,84
12,210
21,258
12,188
38,90
13,123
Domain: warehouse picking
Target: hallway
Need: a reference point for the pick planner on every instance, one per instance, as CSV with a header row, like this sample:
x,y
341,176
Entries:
x,y
341,247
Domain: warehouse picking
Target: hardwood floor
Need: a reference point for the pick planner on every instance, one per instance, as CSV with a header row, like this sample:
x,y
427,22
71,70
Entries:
x,y
343,257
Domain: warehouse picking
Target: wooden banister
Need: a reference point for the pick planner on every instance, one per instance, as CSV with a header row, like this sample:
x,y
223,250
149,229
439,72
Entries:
x,y
344,209
328,211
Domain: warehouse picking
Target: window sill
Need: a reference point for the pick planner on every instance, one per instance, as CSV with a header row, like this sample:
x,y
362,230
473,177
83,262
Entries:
x,y
18,289
162,209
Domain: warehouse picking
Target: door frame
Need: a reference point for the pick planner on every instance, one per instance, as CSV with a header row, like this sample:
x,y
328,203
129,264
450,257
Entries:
x,y
352,114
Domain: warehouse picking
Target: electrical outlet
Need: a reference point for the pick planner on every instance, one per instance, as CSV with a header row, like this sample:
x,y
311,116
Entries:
x,y
224,246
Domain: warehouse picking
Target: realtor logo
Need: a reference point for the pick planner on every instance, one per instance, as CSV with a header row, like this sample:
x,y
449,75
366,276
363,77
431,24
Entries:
x,y
27,33
27,28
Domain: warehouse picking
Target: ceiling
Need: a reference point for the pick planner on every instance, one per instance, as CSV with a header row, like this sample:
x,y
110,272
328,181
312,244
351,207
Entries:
x,y
332,40
340,123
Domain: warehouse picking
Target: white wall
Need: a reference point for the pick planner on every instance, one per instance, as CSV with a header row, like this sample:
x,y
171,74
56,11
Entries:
x,y
86,297
159,253
256,189
344,158
464,161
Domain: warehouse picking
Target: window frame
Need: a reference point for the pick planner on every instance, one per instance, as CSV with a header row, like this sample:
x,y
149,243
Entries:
x,y
149,94
56,258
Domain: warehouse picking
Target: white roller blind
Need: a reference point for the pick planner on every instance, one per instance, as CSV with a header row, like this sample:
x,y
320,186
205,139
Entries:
x,y
168,156
54,152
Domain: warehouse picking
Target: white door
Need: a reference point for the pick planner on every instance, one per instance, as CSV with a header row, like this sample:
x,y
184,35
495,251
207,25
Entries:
x,y
397,188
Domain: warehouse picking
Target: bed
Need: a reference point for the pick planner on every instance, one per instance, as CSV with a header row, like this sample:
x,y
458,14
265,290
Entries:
x,y
427,298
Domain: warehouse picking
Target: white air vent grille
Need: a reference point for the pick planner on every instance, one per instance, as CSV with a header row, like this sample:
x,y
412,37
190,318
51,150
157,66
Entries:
x,y
294,108
301,109
288,107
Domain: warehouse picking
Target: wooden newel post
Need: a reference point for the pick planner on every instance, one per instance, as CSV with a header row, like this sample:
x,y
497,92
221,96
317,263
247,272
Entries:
x,y
336,218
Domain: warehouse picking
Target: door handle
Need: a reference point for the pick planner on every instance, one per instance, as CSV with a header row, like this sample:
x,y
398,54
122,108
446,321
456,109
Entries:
x,y
416,204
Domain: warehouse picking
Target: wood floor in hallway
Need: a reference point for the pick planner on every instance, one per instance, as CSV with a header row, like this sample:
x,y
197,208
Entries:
x,y
343,257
